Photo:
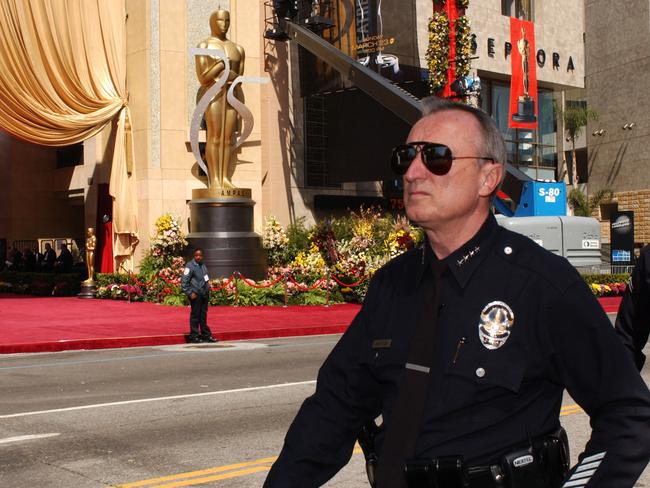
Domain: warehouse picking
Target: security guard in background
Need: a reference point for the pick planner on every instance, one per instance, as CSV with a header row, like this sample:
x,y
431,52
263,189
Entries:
x,y
465,346
196,285
633,319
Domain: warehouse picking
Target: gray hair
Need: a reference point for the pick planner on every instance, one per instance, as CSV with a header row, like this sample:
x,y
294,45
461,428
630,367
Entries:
x,y
493,146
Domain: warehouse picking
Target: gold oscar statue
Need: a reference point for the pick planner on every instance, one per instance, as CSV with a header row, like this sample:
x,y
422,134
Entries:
x,y
89,287
526,103
220,117
523,46
91,243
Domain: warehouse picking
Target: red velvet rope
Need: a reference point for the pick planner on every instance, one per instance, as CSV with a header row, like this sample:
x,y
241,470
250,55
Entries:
x,y
251,283
137,281
306,288
170,283
223,285
350,285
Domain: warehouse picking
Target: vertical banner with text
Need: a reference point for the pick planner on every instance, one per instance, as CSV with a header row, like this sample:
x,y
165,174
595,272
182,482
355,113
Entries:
x,y
622,238
523,83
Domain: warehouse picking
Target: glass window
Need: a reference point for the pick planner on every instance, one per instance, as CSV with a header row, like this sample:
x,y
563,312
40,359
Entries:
x,y
532,151
521,9
316,157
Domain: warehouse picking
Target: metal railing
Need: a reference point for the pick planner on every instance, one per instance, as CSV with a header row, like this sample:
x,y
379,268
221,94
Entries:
x,y
606,269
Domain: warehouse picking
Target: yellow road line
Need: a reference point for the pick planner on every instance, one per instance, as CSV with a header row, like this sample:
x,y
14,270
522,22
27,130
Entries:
x,y
208,479
191,474
570,409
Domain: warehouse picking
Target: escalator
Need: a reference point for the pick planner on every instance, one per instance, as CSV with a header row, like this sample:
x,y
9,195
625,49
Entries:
x,y
398,101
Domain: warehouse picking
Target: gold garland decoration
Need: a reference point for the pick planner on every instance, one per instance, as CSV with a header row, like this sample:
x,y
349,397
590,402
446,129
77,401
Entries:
x,y
438,51
463,46
437,55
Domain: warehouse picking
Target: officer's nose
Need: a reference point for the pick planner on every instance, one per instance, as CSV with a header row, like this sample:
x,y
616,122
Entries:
x,y
416,170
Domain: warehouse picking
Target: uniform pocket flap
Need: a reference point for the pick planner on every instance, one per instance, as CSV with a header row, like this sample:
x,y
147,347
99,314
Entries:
x,y
503,367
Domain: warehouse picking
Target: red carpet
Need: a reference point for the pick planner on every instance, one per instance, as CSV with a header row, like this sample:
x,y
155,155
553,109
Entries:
x,y
32,324
610,304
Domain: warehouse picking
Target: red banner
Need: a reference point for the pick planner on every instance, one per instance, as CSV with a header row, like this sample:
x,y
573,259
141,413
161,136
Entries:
x,y
523,84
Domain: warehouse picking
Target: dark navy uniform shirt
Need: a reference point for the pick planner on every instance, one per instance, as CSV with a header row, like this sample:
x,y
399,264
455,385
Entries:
x,y
482,402
633,319
195,279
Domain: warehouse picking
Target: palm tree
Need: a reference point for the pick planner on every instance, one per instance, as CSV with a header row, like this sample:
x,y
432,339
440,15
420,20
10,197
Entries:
x,y
583,205
575,117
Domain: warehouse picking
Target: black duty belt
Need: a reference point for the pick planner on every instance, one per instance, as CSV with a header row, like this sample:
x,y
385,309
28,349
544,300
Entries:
x,y
541,465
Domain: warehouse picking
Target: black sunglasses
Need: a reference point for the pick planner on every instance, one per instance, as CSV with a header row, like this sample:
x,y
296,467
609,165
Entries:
x,y
436,157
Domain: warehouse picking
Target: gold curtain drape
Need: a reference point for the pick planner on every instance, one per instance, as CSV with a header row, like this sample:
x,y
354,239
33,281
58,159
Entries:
x,y
63,78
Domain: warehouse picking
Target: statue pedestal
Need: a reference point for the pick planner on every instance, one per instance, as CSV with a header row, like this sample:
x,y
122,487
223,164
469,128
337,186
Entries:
x,y
526,110
88,289
223,227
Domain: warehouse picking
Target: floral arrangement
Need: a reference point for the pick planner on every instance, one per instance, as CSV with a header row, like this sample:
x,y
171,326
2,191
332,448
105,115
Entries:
x,y
609,289
330,262
169,238
167,245
347,251
120,292
437,55
462,4
160,270
308,264
274,240
172,274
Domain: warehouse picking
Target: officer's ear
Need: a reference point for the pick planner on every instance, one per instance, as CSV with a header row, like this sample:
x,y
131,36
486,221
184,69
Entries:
x,y
490,177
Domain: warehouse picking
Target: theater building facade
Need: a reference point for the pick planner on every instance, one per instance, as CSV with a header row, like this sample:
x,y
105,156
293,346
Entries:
x,y
618,42
318,145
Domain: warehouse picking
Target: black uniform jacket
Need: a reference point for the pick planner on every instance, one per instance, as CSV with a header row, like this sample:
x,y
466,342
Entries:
x,y
633,319
195,279
482,402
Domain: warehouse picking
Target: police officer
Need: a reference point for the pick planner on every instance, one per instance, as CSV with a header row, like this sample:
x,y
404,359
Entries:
x,y
633,319
196,285
464,346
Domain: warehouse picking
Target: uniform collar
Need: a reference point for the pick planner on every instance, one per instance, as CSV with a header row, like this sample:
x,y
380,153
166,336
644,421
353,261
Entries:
x,y
466,259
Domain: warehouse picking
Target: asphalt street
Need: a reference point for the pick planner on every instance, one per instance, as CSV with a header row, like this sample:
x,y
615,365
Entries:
x,y
167,416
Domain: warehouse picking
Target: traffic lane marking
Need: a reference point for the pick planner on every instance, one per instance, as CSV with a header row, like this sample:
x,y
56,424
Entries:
x,y
157,399
30,437
198,477
570,409
203,472
235,471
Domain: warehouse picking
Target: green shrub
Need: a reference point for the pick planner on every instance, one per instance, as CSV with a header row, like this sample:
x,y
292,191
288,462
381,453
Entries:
x,y
105,279
298,236
315,297
604,279
222,297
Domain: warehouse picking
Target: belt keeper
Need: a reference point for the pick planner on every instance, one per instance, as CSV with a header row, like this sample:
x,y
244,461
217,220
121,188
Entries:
x,y
497,475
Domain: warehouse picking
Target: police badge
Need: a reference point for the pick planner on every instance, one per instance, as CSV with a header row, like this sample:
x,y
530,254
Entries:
x,y
495,324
